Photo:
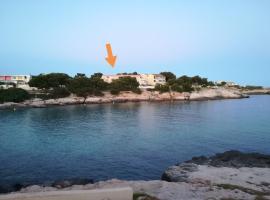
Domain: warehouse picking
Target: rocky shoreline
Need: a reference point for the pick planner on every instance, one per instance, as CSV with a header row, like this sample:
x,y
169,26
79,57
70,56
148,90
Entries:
x,y
152,96
229,175
257,92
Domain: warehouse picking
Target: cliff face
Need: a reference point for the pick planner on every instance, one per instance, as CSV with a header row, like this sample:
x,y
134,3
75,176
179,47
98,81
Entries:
x,y
203,94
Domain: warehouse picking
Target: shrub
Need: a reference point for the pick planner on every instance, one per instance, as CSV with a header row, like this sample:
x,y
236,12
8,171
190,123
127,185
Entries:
x,y
59,93
177,88
162,88
124,84
137,91
13,95
253,87
168,75
47,81
98,93
115,92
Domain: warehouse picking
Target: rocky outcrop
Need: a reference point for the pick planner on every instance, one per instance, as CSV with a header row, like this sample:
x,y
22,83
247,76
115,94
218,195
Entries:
x,y
235,159
230,175
231,159
60,184
256,91
231,172
218,93
203,94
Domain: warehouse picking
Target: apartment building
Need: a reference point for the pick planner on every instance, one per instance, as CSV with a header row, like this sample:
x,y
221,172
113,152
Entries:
x,y
17,79
145,80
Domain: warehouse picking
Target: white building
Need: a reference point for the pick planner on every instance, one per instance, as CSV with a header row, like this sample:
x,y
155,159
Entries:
x,y
145,80
17,79
227,83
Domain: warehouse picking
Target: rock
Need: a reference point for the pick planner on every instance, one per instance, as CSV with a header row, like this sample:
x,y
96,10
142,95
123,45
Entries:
x,y
203,94
235,159
179,173
32,188
229,175
238,159
18,187
4,190
231,159
201,160
68,183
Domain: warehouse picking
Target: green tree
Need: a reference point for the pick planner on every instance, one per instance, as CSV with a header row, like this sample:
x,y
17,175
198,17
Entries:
x,y
80,86
59,92
162,88
169,76
124,84
97,75
13,95
47,81
80,75
39,82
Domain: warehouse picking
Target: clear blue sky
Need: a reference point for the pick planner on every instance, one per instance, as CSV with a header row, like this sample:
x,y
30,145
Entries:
x,y
221,40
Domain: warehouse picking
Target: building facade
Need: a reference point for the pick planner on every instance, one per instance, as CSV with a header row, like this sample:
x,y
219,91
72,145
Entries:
x,y
17,79
145,80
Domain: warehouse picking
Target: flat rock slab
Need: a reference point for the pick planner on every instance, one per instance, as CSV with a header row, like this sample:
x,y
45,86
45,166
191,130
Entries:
x,y
99,194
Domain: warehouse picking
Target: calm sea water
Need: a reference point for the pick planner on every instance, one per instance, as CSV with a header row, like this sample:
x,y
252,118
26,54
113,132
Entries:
x,y
125,141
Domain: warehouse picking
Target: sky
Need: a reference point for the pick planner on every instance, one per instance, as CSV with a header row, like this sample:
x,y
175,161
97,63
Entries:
x,y
221,40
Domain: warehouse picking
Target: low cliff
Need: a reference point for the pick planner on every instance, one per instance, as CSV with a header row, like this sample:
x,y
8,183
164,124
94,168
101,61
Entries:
x,y
203,94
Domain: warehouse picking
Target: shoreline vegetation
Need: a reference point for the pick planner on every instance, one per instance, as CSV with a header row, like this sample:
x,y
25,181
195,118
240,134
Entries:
x,y
228,175
61,89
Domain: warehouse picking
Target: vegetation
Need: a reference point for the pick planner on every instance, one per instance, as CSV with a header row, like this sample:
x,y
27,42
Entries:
x,y
60,85
252,87
124,84
223,83
162,88
53,80
169,76
125,73
183,83
13,95
58,93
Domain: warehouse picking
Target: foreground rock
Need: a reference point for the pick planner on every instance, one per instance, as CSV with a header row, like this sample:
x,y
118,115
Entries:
x,y
203,94
230,175
234,159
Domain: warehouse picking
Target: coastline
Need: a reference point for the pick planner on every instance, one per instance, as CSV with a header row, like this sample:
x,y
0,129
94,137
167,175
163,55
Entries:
x,y
257,92
228,175
151,96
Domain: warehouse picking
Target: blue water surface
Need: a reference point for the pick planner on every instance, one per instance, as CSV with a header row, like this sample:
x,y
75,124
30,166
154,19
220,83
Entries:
x,y
135,141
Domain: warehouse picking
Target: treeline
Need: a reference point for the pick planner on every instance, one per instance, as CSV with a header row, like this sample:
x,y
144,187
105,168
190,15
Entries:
x,y
59,85
252,87
183,83
13,95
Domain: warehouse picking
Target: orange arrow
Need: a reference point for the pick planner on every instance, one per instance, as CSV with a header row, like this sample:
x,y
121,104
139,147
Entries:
x,y
110,58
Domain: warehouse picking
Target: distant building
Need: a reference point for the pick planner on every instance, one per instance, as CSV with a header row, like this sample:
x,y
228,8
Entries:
x,y
227,83
145,80
16,79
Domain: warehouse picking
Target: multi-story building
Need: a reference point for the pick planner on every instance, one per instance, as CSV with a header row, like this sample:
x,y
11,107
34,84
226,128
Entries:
x,y
145,80
17,79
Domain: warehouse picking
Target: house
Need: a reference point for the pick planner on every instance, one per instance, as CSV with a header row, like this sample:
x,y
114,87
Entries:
x,y
145,80
16,79
153,79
